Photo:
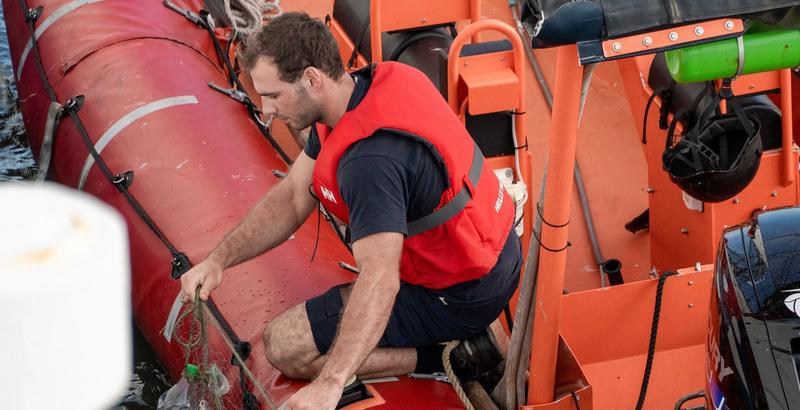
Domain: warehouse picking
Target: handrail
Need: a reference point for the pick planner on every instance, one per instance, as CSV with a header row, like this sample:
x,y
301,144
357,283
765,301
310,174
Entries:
x,y
454,69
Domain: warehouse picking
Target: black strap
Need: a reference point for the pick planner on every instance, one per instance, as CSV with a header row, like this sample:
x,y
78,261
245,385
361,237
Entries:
x,y
351,62
204,21
538,238
647,111
688,114
727,93
456,205
541,216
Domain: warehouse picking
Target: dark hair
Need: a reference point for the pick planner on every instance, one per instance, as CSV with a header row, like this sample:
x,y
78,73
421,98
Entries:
x,y
294,41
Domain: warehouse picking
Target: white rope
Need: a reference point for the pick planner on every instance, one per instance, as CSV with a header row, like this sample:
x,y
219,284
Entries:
x,y
247,16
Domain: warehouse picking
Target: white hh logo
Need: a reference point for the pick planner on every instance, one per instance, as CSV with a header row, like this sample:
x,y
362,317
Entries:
x,y
328,194
499,202
792,302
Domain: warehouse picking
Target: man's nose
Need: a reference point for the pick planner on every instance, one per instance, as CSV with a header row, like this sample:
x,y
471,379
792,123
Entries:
x,y
268,107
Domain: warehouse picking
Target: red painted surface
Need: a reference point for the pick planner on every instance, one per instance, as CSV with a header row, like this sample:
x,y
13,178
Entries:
x,y
198,169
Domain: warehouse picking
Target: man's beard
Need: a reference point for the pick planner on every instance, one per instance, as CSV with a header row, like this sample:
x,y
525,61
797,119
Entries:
x,y
312,112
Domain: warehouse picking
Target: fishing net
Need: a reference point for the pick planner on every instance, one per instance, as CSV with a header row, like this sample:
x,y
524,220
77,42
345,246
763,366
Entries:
x,y
207,387
212,375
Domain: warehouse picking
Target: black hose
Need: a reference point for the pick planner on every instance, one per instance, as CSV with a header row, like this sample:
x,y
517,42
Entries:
x,y
689,397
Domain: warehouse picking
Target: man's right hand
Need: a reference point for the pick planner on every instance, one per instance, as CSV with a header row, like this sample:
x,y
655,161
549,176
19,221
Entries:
x,y
207,274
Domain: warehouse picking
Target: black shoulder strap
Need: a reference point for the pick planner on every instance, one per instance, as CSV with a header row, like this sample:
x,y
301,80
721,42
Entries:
x,y
456,205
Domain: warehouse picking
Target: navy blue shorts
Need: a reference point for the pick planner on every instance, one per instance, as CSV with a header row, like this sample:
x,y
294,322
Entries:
x,y
423,316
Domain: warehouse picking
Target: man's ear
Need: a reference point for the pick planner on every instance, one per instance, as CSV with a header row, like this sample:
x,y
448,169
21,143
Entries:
x,y
314,77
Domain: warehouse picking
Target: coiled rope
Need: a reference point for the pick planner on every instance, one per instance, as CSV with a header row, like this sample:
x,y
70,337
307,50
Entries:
x,y
247,16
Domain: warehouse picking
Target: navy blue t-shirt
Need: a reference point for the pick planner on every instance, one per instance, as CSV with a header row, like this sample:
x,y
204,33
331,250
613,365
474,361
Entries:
x,y
385,180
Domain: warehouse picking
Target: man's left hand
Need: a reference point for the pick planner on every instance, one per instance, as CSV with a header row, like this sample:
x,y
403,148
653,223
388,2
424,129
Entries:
x,y
317,395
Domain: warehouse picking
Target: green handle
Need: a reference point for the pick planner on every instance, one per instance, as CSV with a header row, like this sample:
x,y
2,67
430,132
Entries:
x,y
765,49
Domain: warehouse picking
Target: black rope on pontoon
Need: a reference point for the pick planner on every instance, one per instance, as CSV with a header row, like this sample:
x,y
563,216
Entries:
x,y
206,22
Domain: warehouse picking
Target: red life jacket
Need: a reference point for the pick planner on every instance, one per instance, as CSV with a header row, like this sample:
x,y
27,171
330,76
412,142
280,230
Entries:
x,y
463,237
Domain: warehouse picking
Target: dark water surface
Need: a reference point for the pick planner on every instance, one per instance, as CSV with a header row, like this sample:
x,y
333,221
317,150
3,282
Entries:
x,y
17,163
16,160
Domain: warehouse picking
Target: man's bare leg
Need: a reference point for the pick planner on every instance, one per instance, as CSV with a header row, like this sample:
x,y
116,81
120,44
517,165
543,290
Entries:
x,y
290,348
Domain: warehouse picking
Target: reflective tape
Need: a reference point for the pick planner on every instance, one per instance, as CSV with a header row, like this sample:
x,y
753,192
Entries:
x,y
127,120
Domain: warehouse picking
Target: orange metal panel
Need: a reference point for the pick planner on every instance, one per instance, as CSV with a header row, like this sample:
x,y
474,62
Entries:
x,y
491,91
755,83
399,15
573,390
671,37
680,236
609,330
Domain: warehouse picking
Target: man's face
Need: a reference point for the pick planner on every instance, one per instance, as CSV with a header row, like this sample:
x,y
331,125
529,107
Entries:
x,y
288,102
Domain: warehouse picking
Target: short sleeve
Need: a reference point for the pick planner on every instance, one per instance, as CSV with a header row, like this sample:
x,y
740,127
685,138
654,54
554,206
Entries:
x,y
312,146
375,188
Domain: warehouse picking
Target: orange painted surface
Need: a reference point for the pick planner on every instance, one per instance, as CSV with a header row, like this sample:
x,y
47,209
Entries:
x,y
607,329
646,42
599,335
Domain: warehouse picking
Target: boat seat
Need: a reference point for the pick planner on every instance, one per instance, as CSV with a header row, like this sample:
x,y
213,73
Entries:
x,y
415,44
558,22
683,98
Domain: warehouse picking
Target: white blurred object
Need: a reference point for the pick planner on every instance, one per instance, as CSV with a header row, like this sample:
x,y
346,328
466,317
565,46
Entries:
x,y
518,191
65,307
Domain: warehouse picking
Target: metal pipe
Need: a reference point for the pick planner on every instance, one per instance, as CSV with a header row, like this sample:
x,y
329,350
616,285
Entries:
x,y
579,184
557,206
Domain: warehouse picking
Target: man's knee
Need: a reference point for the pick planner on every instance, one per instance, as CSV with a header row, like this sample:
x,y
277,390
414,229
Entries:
x,y
284,347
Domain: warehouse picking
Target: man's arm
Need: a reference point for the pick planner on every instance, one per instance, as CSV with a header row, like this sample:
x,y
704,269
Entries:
x,y
270,222
368,307
363,322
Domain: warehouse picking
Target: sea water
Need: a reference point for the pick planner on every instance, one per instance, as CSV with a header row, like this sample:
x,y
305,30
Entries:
x,y
16,159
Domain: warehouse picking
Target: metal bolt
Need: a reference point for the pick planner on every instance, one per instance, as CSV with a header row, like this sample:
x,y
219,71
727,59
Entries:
x,y
729,25
736,200
423,20
616,47
647,41
673,35
691,282
691,305
699,30
685,231
773,194
650,190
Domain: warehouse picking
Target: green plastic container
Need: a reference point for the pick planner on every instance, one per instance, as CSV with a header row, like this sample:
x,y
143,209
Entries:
x,y
765,49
